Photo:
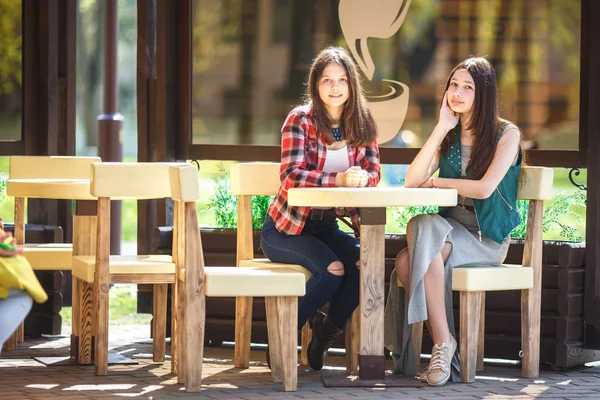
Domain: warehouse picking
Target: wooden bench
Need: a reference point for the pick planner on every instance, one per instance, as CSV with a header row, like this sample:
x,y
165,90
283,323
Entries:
x,y
255,179
25,175
473,282
281,288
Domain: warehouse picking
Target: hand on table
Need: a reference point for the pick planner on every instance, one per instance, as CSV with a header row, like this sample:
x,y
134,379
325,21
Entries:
x,y
356,177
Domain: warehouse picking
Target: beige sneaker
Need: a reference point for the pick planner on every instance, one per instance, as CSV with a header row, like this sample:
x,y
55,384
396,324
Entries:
x,y
423,375
439,366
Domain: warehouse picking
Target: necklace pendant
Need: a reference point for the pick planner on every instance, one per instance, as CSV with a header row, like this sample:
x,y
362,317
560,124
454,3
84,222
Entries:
x,y
336,134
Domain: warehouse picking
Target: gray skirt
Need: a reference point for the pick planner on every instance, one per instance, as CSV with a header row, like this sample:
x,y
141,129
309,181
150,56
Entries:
x,y
430,232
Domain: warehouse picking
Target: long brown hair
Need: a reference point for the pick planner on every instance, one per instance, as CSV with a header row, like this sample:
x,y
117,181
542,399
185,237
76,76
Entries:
x,y
484,119
356,123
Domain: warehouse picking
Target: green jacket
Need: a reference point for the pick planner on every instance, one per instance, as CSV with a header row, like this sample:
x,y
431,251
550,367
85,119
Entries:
x,y
497,215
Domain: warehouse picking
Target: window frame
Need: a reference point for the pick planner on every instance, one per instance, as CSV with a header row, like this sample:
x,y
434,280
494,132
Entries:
x,y
195,151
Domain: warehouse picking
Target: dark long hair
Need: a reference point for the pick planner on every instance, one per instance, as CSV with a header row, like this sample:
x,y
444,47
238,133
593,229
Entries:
x,y
484,119
356,124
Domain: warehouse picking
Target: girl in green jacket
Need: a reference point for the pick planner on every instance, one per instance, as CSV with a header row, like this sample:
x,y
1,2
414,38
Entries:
x,y
478,154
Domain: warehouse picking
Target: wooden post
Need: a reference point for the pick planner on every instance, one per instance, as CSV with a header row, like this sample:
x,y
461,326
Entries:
x,y
243,305
195,300
531,298
110,122
84,244
470,310
287,310
274,335
481,345
101,284
372,280
353,342
159,321
180,242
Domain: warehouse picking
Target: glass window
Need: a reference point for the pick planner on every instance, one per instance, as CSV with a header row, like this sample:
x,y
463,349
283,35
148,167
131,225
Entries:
x,y
250,60
10,70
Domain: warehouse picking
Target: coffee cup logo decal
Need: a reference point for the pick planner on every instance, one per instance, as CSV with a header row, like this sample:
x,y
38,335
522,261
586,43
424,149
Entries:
x,y
360,20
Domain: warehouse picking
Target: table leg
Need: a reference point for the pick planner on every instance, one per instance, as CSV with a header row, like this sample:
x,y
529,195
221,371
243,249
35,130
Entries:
x,y
372,287
84,243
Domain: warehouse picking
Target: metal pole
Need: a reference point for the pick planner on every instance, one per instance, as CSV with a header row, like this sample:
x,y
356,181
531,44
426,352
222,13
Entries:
x,y
110,122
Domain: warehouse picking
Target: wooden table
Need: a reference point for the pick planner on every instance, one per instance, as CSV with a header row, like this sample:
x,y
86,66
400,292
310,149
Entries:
x,y
84,242
372,202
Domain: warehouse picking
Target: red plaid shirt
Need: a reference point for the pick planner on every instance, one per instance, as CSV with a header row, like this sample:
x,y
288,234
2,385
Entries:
x,y
303,152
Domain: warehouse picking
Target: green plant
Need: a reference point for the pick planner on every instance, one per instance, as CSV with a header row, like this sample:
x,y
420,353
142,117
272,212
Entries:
x,y
260,206
2,190
561,209
403,214
562,214
224,205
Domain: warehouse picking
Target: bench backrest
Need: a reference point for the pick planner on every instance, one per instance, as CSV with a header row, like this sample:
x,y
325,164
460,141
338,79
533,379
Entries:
x,y
135,180
184,183
255,178
247,180
262,178
50,167
536,183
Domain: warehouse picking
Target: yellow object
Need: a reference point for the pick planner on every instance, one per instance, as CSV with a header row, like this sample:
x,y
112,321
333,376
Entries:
x,y
16,273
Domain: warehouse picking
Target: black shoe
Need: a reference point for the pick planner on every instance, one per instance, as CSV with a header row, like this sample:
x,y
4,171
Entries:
x,y
324,332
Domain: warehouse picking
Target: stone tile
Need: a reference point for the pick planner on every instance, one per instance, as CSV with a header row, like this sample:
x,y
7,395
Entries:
x,y
21,377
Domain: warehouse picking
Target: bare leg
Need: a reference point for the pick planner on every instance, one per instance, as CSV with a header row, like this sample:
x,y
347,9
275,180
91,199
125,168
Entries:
x,y
402,263
336,268
437,322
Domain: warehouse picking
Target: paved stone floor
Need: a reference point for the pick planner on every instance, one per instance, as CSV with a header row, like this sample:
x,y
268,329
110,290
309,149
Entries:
x,y
22,377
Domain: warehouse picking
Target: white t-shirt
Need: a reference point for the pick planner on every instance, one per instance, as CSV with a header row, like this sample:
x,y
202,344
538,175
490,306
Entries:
x,y
337,160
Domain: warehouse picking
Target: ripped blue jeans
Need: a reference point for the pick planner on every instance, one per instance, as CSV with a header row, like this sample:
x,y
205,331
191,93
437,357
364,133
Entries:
x,y
320,243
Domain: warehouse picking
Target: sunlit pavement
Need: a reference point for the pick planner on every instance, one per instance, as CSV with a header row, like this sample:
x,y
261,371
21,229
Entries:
x,y
22,377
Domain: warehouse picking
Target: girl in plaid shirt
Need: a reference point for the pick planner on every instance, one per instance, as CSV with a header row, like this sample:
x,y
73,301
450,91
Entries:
x,y
328,141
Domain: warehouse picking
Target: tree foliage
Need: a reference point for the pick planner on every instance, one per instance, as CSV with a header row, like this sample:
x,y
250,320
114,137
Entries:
x,y
10,45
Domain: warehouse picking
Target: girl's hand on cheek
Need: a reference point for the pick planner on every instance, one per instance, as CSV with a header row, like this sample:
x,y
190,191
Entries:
x,y
448,118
